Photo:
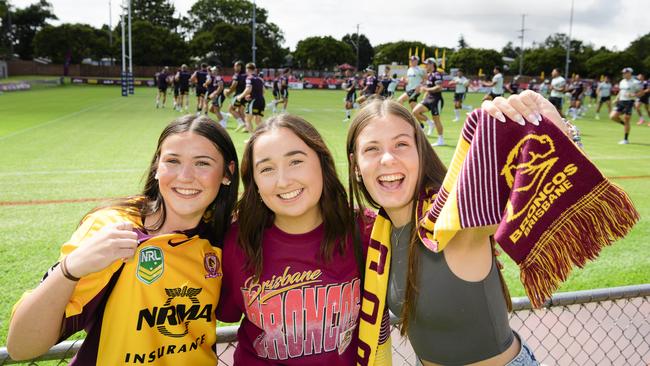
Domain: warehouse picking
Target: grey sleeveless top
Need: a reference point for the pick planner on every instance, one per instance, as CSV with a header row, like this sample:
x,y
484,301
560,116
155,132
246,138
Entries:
x,y
456,322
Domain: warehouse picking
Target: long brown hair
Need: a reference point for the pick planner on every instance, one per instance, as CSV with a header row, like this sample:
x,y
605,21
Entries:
x,y
150,201
254,216
431,173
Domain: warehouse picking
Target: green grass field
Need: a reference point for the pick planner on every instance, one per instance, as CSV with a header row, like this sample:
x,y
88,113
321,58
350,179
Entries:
x,y
74,143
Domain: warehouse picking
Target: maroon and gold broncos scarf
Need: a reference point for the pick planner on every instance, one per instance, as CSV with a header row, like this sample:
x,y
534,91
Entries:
x,y
553,207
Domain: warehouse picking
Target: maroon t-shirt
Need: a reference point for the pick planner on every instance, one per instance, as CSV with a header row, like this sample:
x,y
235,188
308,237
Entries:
x,y
303,311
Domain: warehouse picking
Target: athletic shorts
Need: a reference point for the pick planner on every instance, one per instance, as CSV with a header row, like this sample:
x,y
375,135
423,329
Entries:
x,y
643,99
177,91
556,101
218,100
351,97
494,95
236,103
200,91
624,107
162,89
276,94
256,107
459,97
434,105
184,90
413,96
284,93
576,98
605,99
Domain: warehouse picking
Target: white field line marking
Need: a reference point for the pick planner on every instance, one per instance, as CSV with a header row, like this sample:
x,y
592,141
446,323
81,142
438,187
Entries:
x,y
84,171
19,132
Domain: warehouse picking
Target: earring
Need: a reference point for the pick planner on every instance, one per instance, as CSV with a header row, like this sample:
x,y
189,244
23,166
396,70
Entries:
x,y
358,176
226,182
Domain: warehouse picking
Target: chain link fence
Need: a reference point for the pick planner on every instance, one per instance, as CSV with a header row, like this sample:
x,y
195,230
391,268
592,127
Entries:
x,y
596,327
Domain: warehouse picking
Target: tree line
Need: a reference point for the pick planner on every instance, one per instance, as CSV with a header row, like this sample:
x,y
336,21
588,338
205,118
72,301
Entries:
x,y
219,32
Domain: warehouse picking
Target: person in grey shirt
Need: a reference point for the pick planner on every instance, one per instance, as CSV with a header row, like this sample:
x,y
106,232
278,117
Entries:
x,y
452,305
496,84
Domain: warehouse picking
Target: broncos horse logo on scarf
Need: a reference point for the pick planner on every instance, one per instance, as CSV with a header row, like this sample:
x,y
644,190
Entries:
x,y
530,160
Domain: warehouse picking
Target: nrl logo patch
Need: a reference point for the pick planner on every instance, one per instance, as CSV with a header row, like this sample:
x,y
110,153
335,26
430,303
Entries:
x,y
151,265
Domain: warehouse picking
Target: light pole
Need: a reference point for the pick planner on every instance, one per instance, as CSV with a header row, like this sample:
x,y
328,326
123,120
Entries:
x,y
568,45
254,47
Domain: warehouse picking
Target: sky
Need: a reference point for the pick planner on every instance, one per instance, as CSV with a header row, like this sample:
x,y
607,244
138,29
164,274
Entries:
x,y
483,24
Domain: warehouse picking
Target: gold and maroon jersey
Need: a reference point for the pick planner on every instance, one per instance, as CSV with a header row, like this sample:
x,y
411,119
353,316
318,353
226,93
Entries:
x,y
157,308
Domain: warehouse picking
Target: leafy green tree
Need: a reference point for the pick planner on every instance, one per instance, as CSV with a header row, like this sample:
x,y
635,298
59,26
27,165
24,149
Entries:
x,y
25,23
366,52
473,59
157,12
611,63
322,52
154,45
462,43
640,48
78,40
387,53
221,18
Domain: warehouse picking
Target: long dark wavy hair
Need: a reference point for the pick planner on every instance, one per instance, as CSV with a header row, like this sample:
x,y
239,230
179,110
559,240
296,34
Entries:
x,y
254,216
431,173
150,201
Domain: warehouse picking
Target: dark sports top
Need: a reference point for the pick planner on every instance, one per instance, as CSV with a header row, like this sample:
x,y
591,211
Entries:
x,y
577,87
184,79
257,86
433,79
162,79
283,82
456,322
241,82
352,82
157,308
217,80
371,84
201,76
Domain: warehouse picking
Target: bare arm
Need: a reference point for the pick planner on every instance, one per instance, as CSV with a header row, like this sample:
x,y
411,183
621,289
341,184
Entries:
x,y
36,324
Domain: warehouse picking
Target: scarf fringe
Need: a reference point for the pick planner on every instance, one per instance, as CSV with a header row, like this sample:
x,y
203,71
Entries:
x,y
598,219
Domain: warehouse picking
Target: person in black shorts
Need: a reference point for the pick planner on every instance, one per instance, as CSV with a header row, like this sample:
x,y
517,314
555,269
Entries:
x,y
642,99
237,86
386,79
371,86
283,85
577,90
198,79
183,79
432,101
215,94
162,80
177,90
629,90
254,94
350,93
276,93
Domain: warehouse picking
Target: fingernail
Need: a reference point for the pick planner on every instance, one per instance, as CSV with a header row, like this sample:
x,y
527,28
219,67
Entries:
x,y
533,119
539,116
519,119
501,117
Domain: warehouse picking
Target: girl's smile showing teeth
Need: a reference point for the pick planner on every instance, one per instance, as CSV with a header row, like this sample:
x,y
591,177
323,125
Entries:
x,y
390,181
290,195
186,192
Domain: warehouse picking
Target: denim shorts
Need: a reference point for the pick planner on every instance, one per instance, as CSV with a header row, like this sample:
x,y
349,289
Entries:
x,y
525,357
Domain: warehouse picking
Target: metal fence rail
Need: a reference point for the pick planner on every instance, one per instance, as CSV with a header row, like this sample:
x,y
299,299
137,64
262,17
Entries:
x,y
608,326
